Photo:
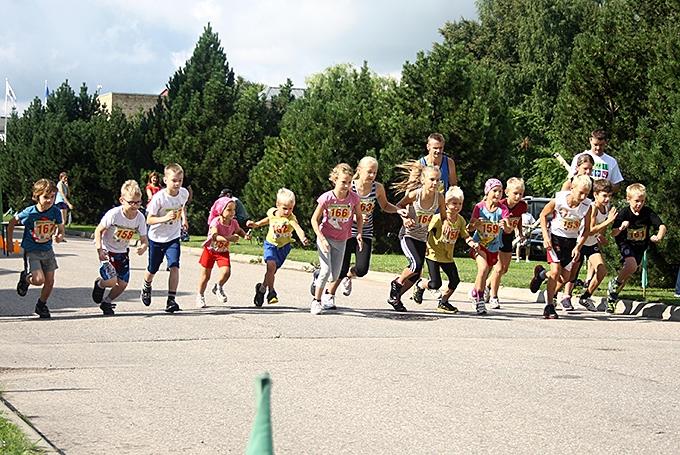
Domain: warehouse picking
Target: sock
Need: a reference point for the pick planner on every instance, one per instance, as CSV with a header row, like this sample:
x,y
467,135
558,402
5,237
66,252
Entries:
x,y
172,295
147,285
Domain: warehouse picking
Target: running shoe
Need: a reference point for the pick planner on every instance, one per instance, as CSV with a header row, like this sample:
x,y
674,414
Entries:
x,y
200,301
315,307
97,292
328,302
258,300
613,290
487,294
42,310
171,306
145,295
107,308
346,286
395,292
494,303
219,293
480,307
566,303
536,281
446,307
312,287
22,285
549,312
272,297
418,293
588,303
611,306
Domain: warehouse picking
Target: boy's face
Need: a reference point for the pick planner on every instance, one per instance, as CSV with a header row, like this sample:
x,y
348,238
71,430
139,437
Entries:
x,y
46,200
602,198
514,194
285,208
597,146
454,206
173,181
435,148
131,202
636,202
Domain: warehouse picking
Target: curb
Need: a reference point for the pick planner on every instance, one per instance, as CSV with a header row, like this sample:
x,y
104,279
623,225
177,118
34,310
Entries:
x,y
23,424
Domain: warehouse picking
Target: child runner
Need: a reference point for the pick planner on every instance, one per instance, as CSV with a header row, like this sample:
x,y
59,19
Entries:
x,y
41,221
632,229
282,222
369,192
440,251
111,239
165,214
422,199
332,223
514,192
223,230
489,220
570,210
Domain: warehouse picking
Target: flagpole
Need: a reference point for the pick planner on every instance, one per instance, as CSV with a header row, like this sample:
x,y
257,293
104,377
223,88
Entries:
x,y
6,95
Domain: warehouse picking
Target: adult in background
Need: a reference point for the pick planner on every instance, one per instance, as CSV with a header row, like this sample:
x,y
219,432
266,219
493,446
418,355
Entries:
x,y
62,199
241,212
605,166
436,157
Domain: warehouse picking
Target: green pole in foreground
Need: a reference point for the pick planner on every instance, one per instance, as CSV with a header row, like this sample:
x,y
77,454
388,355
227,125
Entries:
x,y
261,441
644,280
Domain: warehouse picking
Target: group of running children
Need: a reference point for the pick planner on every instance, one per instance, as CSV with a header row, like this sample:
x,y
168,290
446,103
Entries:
x,y
343,225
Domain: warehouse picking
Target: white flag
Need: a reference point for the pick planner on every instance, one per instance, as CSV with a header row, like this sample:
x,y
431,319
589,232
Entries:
x,y
9,94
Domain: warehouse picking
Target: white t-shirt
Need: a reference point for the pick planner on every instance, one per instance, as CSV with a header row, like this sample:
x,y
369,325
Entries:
x,y
567,220
160,204
120,229
605,167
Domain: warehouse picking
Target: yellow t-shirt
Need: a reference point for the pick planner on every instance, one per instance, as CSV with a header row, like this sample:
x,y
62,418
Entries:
x,y
440,248
280,228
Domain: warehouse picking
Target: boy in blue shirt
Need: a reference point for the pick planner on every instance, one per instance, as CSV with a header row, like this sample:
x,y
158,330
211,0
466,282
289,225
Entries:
x,y
41,222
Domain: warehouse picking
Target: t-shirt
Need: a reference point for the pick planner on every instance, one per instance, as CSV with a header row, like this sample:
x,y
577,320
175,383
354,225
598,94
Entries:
x,y
281,228
489,233
567,220
515,213
120,229
606,167
224,230
39,227
637,233
440,247
61,188
162,203
336,223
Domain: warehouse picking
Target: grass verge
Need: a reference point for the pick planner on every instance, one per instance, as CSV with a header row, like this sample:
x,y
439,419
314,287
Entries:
x,y
13,441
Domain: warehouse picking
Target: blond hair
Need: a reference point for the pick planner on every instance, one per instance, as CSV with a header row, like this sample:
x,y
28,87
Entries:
x,y
364,162
412,173
582,180
285,195
43,186
515,182
342,168
636,189
454,192
173,167
130,187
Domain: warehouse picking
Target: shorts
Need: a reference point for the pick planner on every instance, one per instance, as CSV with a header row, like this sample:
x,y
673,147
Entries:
x,y
209,257
121,264
629,251
589,250
40,260
275,253
491,257
561,250
507,239
158,250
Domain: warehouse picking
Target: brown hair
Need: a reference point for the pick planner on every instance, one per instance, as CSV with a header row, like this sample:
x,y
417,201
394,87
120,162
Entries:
x,y
602,186
583,157
599,134
436,137
43,186
342,168
151,175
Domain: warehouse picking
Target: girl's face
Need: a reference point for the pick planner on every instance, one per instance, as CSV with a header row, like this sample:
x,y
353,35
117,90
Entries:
x,y
154,179
586,168
342,184
229,212
368,173
495,194
430,180
453,206
514,194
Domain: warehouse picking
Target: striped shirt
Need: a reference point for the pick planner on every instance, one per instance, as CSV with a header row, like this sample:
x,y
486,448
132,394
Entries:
x,y
367,207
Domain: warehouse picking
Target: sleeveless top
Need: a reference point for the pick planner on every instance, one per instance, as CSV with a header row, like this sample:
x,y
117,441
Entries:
x,y
599,218
567,220
422,217
367,207
444,172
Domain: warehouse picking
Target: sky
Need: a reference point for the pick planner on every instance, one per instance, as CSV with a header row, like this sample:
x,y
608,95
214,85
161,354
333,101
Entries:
x,y
135,46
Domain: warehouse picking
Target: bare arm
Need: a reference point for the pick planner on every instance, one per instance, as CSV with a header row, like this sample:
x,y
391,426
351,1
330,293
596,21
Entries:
x,y
543,217
453,177
257,224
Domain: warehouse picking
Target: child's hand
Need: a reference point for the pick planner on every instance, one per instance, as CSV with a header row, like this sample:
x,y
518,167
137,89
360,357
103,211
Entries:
x,y
59,237
171,215
250,224
249,234
360,242
655,238
612,214
185,226
103,256
446,229
624,225
547,245
233,238
325,247
402,213
305,241
575,253
474,245
409,223
141,249
474,224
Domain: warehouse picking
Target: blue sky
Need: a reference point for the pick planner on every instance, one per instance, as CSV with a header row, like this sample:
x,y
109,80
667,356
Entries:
x,y
135,46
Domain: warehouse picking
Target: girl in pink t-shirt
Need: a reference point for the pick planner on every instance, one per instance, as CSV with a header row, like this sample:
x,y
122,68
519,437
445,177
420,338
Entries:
x,y
224,229
332,223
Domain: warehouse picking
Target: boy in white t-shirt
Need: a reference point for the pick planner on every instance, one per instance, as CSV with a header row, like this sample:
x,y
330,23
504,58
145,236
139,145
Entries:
x,y
112,238
166,216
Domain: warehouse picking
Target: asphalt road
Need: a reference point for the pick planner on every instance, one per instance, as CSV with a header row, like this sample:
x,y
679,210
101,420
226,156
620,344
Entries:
x,y
360,380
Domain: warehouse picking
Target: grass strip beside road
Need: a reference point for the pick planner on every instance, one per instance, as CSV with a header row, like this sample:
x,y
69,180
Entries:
x,y
13,441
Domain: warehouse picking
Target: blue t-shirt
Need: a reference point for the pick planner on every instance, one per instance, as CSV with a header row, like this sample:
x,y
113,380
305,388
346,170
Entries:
x,y
489,233
39,227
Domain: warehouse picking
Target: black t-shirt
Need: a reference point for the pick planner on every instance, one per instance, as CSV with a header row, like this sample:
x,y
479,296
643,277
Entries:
x,y
637,233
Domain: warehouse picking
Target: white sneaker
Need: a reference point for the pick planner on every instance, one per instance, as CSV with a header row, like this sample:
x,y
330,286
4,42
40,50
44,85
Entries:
x,y
588,303
316,307
480,307
328,302
566,303
219,293
494,303
200,301
346,286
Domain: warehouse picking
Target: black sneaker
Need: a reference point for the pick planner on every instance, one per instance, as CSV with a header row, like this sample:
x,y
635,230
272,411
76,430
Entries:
x,y
536,281
418,293
146,296
259,296
549,312
312,288
107,309
395,293
272,298
171,306
399,307
446,307
42,310
22,285
97,292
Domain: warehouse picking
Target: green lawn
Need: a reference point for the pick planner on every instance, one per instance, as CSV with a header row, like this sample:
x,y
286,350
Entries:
x,y
13,441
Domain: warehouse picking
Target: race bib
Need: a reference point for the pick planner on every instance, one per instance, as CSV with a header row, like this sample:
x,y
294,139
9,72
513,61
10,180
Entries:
x,y
281,230
339,213
423,218
367,207
178,215
637,235
514,222
220,246
488,231
43,230
123,234
451,237
571,224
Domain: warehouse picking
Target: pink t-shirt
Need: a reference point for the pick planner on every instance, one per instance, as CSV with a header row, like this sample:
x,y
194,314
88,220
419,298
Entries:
x,y
224,230
337,215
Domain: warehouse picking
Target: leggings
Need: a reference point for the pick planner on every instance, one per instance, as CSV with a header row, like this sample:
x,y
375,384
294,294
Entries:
x,y
415,253
449,269
330,262
363,257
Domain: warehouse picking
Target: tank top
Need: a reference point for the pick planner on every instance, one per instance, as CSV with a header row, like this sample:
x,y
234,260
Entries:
x,y
444,172
367,207
599,218
567,220
422,216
